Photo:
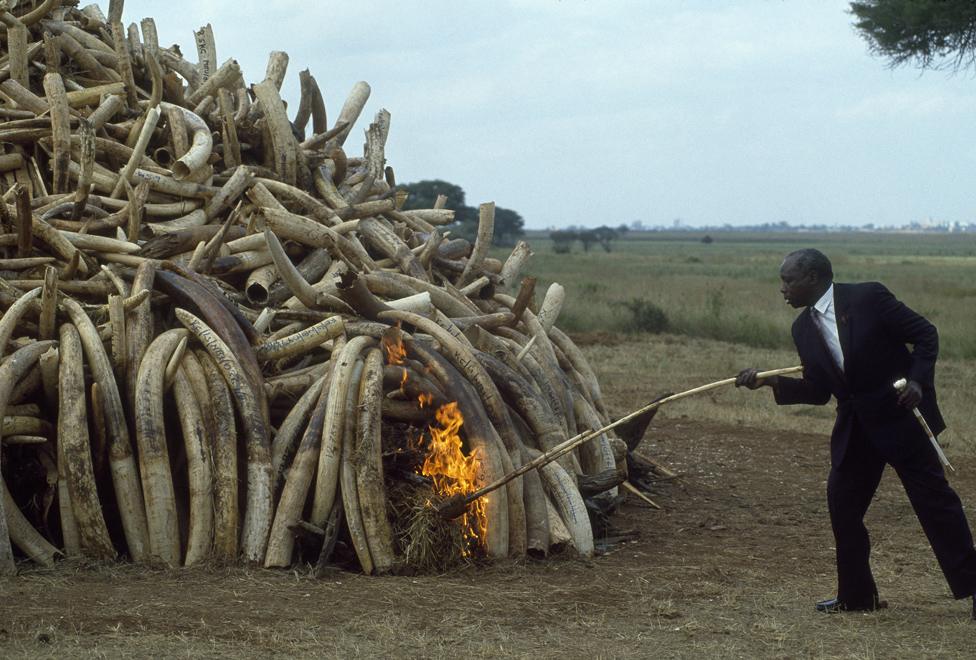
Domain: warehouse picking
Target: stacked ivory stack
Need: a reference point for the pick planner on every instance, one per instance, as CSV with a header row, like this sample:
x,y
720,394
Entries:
x,y
224,340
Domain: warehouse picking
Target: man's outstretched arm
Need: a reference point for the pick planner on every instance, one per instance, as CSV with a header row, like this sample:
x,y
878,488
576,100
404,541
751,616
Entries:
x,y
786,391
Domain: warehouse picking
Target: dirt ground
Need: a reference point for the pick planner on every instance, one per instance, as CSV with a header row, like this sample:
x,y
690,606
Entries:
x,y
730,567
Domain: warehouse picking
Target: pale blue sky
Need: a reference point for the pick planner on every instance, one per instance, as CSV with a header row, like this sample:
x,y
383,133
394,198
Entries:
x,y
583,112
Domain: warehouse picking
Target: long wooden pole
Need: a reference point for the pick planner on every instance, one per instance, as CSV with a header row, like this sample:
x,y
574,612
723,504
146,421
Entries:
x,y
900,386
455,506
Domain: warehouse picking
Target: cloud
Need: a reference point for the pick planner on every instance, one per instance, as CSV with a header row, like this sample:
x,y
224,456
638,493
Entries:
x,y
909,103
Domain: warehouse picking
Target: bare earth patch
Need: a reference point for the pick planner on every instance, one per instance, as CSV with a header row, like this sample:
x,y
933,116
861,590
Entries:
x,y
731,567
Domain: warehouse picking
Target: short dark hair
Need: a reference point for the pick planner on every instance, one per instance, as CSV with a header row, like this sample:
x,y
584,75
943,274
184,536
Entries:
x,y
812,260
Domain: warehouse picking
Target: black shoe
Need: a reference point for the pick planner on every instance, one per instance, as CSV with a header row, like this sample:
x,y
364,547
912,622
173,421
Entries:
x,y
834,605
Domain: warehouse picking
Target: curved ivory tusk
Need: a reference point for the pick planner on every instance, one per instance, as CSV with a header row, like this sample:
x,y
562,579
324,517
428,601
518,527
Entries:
x,y
301,341
284,146
201,145
24,425
537,520
595,455
173,365
513,265
282,447
551,306
562,488
225,462
334,427
138,151
49,304
228,75
580,363
298,285
351,109
100,243
259,283
75,448
257,515
157,479
60,130
369,464
12,316
124,475
349,490
199,542
281,542
486,229
40,12
418,303
559,536
138,326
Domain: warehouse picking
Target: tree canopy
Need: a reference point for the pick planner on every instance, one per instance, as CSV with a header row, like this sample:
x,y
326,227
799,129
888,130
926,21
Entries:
x,y
423,194
929,33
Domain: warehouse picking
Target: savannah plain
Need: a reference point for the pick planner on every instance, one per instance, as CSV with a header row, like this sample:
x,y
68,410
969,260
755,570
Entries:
x,y
731,564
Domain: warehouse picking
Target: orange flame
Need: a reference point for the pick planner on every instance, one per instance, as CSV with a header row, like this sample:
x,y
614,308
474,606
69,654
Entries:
x,y
396,352
454,473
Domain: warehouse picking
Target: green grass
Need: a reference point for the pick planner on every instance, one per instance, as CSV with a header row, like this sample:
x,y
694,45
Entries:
x,y
729,290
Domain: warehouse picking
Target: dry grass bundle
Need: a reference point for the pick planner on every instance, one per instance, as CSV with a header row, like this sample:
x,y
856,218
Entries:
x,y
427,543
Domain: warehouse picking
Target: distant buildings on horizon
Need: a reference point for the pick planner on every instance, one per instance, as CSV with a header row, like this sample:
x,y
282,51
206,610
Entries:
x,y
927,226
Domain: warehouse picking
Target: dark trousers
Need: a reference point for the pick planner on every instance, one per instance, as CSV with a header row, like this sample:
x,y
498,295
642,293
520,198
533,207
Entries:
x,y
850,488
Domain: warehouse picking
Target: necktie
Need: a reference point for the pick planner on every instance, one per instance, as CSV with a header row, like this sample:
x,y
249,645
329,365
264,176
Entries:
x,y
830,337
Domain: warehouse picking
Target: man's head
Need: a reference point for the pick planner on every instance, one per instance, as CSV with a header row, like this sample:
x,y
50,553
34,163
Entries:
x,y
806,274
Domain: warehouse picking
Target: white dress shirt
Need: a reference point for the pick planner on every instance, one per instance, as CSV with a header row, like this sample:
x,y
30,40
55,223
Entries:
x,y
825,317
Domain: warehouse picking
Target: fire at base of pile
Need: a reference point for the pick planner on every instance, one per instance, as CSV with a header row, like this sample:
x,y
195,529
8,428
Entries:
x,y
200,294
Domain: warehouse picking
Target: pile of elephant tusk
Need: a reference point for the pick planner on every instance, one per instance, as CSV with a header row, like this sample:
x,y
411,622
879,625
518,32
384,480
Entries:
x,y
224,338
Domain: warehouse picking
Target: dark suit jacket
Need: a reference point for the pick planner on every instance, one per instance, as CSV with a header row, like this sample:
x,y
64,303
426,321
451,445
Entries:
x,y
874,328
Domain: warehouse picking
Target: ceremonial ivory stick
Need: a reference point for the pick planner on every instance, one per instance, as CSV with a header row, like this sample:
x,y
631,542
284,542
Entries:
x,y
900,386
454,506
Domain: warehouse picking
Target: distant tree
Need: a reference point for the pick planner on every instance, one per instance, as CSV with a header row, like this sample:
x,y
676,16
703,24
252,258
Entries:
x,y
562,240
929,33
603,235
587,237
422,195
622,229
508,226
707,239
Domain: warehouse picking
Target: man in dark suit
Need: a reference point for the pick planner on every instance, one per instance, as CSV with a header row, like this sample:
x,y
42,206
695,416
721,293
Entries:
x,y
852,339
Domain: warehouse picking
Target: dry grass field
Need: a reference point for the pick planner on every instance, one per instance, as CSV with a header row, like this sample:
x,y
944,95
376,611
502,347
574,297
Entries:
x,y
729,567
728,289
